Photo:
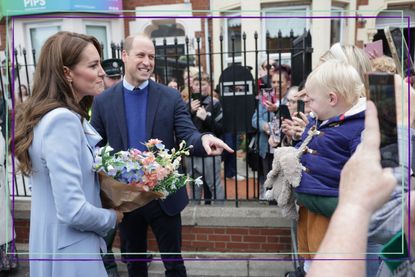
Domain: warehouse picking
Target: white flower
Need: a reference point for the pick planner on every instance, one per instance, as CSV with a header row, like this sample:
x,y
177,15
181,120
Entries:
x,y
111,171
106,149
176,163
198,181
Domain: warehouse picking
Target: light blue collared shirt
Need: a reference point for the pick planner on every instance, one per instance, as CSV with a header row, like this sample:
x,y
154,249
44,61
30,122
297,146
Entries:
x,y
128,86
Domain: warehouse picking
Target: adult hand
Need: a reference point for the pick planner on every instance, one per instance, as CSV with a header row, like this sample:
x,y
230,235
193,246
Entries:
x,y
272,142
364,184
120,216
214,146
201,113
194,105
270,107
402,98
287,127
299,125
265,128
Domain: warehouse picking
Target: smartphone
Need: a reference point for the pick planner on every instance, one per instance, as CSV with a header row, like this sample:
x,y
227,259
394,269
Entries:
x,y
382,93
196,96
375,47
267,95
300,107
284,112
399,50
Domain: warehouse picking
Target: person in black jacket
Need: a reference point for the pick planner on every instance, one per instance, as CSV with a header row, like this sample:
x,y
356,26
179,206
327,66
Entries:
x,y
207,116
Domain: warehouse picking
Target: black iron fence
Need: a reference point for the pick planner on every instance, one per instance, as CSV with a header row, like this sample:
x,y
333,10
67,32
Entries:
x,y
238,96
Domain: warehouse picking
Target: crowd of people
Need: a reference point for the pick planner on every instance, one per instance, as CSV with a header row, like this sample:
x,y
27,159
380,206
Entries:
x,y
335,93
78,102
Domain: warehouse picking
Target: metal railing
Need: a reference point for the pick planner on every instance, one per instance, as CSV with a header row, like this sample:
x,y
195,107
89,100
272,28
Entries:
x,y
171,62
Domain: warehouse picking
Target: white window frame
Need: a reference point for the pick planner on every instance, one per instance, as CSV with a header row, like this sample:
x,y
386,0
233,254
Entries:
x,y
228,58
180,40
342,21
284,56
107,26
33,25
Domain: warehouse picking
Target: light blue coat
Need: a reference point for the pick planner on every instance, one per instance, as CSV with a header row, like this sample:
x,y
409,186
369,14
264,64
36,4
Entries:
x,y
66,220
259,119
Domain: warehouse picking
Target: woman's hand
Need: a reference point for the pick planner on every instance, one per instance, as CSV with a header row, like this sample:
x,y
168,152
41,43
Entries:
x,y
287,127
299,125
266,129
272,142
194,105
271,107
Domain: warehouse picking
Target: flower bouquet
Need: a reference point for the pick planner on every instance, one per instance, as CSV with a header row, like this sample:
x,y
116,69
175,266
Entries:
x,y
131,179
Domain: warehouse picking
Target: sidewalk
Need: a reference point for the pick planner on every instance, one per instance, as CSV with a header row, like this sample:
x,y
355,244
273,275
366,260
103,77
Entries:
x,y
228,268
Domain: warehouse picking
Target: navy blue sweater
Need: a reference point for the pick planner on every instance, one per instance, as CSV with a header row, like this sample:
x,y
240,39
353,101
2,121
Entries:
x,y
135,115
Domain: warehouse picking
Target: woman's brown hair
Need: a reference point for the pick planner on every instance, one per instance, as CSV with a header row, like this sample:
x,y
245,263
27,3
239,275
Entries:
x,y
51,90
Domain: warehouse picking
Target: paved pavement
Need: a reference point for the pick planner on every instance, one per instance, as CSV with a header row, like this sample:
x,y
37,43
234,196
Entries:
x,y
199,266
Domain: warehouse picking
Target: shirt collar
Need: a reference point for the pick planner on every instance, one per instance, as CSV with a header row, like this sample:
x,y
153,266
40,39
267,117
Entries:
x,y
131,87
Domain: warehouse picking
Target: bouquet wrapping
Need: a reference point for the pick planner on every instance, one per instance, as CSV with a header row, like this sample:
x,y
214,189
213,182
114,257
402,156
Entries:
x,y
131,179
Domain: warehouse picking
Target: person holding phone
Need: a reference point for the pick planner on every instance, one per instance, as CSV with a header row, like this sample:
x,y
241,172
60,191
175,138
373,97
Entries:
x,y
293,127
287,120
281,81
207,116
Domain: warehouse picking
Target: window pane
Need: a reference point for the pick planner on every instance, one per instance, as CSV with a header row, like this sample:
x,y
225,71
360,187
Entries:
x,y
335,28
167,30
234,29
273,25
39,35
100,32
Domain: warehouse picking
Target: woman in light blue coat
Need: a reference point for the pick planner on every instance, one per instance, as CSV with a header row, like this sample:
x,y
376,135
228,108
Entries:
x,y
54,144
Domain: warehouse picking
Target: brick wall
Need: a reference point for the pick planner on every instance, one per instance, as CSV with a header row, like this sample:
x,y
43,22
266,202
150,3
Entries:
x,y
21,227
362,2
208,239
3,35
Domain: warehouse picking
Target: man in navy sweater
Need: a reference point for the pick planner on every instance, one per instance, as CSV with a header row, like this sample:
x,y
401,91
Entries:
x,y
130,113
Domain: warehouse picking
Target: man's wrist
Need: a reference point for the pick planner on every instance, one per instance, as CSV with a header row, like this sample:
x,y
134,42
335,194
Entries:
x,y
206,135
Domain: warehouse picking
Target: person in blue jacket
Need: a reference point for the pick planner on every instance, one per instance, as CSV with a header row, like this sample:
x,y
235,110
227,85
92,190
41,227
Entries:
x,y
334,90
54,144
130,113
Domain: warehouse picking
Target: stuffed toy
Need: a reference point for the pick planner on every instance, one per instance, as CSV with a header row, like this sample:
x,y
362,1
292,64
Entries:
x,y
285,176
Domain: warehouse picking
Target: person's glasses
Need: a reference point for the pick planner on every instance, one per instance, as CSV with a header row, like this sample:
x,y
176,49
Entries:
x,y
291,101
267,66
